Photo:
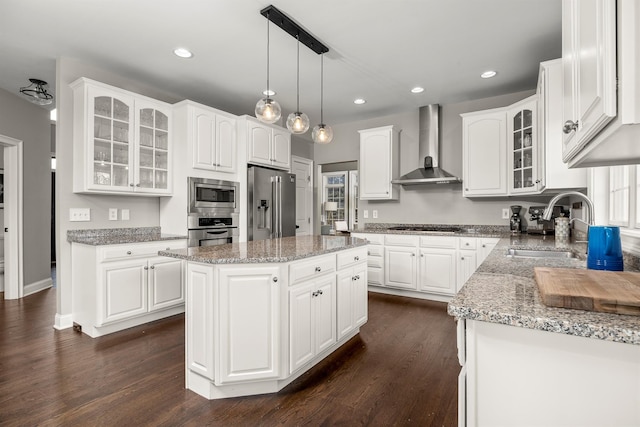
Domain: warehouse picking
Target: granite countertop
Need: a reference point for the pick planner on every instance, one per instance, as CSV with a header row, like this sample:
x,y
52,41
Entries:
x,y
265,251
503,290
465,230
114,236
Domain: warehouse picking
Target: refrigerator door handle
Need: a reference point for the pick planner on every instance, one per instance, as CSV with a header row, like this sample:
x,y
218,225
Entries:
x,y
279,206
275,212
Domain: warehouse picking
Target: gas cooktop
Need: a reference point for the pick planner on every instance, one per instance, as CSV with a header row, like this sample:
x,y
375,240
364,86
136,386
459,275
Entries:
x,y
426,228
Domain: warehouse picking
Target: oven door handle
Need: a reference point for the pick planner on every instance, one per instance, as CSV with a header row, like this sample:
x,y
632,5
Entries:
x,y
217,232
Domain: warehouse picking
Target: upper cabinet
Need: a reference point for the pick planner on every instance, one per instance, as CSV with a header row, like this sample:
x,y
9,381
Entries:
x,y
212,136
121,141
379,163
267,144
601,82
522,146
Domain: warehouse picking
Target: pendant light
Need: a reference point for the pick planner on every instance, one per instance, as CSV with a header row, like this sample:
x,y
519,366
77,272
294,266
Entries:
x,y
298,122
267,109
36,92
322,134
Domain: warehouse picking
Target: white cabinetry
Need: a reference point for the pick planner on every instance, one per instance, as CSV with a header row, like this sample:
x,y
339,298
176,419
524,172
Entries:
x,y
212,137
266,145
467,260
379,163
375,259
122,141
351,290
120,286
484,153
522,138
400,261
485,246
437,264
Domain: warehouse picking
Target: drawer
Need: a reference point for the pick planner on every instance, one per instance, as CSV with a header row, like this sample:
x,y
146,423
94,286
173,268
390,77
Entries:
x,y
375,261
374,239
468,242
400,240
441,242
375,250
316,266
136,250
352,256
375,276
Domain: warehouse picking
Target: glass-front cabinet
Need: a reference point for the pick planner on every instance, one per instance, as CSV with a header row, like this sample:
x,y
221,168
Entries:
x,y
523,145
121,141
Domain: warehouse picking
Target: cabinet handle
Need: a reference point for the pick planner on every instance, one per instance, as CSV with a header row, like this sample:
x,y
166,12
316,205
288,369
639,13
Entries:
x,y
413,254
537,181
357,277
421,255
153,267
462,258
353,278
314,294
319,292
138,185
484,246
466,244
466,189
128,252
131,185
569,126
168,249
275,279
318,269
356,258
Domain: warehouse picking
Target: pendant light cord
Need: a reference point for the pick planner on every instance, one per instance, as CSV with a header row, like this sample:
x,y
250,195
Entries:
x,y
321,88
267,94
298,77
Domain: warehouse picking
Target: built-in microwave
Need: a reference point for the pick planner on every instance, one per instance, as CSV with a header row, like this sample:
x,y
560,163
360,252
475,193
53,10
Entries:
x,y
213,195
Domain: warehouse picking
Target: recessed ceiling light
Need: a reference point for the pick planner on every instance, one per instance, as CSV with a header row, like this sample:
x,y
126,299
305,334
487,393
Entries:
x,y
359,101
417,89
488,74
268,92
183,52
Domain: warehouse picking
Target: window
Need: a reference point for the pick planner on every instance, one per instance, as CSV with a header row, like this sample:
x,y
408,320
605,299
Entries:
x,y
342,189
624,203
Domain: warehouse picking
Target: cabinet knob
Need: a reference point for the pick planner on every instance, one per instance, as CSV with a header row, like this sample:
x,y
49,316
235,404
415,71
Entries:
x,y
484,246
146,268
537,181
353,278
413,254
275,279
168,249
358,277
569,126
153,267
319,292
462,258
128,252
138,185
356,258
422,255
318,269
131,185
466,189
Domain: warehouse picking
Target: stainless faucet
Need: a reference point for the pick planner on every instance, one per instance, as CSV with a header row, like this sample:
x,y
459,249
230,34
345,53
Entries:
x,y
549,210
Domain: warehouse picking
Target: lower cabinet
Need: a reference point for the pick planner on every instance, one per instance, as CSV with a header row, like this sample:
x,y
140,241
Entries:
x,y
352,295
400,267
467,265
438,270
120,286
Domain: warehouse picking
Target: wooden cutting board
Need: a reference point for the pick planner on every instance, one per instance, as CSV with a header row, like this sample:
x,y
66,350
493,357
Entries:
x,y
593,290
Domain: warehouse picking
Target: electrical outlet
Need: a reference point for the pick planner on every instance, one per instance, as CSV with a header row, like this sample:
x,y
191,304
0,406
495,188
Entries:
x,y
365,213
505,213
124,214
375,213
113,214
79,214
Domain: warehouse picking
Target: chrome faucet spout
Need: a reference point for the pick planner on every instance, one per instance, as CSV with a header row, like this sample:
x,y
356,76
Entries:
x,y
549,210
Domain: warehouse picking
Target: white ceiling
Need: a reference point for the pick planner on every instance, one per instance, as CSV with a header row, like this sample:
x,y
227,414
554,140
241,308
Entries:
x,y
379,49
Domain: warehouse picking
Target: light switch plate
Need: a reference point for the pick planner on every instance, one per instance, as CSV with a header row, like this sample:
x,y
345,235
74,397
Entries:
x,y
375,213
79,214
505,213
365,213
124,214
113,214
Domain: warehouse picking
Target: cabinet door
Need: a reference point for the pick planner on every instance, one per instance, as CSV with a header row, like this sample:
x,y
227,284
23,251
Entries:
x,y
248,346
110,140
124,290
376,164
301,330
523,143
281,150
324,307
345,298
152,172
199,319
360,295
589,61
204,135
466,267
437,270
166,288
259,143
225,143
484,149
484,249
400,267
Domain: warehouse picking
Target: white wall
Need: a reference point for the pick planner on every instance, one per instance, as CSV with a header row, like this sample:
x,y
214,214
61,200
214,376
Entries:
x,y
438,204
30,123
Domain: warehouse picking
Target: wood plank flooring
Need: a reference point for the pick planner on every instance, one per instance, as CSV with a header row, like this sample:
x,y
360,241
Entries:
x,y
400,370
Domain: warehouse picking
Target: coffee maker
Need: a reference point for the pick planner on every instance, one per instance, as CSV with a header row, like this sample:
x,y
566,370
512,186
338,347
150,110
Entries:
x,y
515,222
537,225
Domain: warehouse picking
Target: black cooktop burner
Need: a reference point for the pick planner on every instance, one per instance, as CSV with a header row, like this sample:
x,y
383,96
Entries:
x,y
426,228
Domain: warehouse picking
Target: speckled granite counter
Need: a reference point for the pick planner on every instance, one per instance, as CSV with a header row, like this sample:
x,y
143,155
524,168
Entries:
x,y
503,290
266,251
467,230
114,236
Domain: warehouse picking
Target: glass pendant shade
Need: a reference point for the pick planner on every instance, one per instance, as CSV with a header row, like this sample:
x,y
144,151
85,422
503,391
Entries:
x,y
268,110
298,122
322,134
36,92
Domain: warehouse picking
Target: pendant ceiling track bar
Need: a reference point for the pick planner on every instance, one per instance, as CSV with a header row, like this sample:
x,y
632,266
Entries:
x,y
292,28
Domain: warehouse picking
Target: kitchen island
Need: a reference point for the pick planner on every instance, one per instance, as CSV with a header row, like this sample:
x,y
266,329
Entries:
x,y
261,313
524,363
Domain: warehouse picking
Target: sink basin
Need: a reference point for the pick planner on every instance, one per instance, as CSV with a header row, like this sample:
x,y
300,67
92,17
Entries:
x,y
538,253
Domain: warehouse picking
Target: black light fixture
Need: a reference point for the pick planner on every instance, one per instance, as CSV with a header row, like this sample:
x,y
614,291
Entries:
x,y
268,110
322,134
36,92
298,122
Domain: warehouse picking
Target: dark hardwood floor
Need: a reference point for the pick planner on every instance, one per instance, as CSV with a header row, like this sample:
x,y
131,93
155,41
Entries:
x,y
400,370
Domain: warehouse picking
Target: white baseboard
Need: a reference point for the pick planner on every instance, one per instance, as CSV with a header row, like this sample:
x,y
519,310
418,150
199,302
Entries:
x,y
41,285
63,321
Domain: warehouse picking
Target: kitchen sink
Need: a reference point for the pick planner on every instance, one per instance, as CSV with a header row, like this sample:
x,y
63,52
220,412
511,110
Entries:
x,y
538,253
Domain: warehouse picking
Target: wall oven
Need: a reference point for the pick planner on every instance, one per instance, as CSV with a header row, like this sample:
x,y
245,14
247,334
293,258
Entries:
x,y
213,212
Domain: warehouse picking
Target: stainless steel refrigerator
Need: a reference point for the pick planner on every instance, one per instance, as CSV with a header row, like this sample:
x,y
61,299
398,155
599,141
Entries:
x,y
272,203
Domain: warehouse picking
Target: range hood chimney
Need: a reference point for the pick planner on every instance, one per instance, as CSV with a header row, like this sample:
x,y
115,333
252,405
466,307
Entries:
x,y
429,150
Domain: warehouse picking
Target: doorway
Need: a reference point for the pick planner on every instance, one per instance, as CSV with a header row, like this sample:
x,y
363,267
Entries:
x,y
303,169
12,214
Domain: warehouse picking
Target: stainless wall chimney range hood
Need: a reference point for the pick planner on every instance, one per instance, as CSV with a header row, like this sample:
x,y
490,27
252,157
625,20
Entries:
x,y
429,150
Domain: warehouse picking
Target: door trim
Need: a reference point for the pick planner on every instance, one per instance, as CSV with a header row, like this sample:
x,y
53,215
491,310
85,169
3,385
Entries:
x,y
309,164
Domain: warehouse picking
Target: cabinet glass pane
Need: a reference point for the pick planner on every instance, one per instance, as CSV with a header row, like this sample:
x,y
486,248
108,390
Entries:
x,y
517,140
120,176
146,117
517,159
527,140
120,111
527,158
146,157
161,159
102,106
517,179
527,117
146,137
162,121
162,139
161,179
101,151
527,177
101,174
120,131
121,153
517,121
146,178
102,128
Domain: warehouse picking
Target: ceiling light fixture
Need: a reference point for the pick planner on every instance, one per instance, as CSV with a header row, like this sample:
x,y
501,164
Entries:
x,y
488,74
298,122
322,134
267,109
269,92
36,92
417,89
359,101
183,52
